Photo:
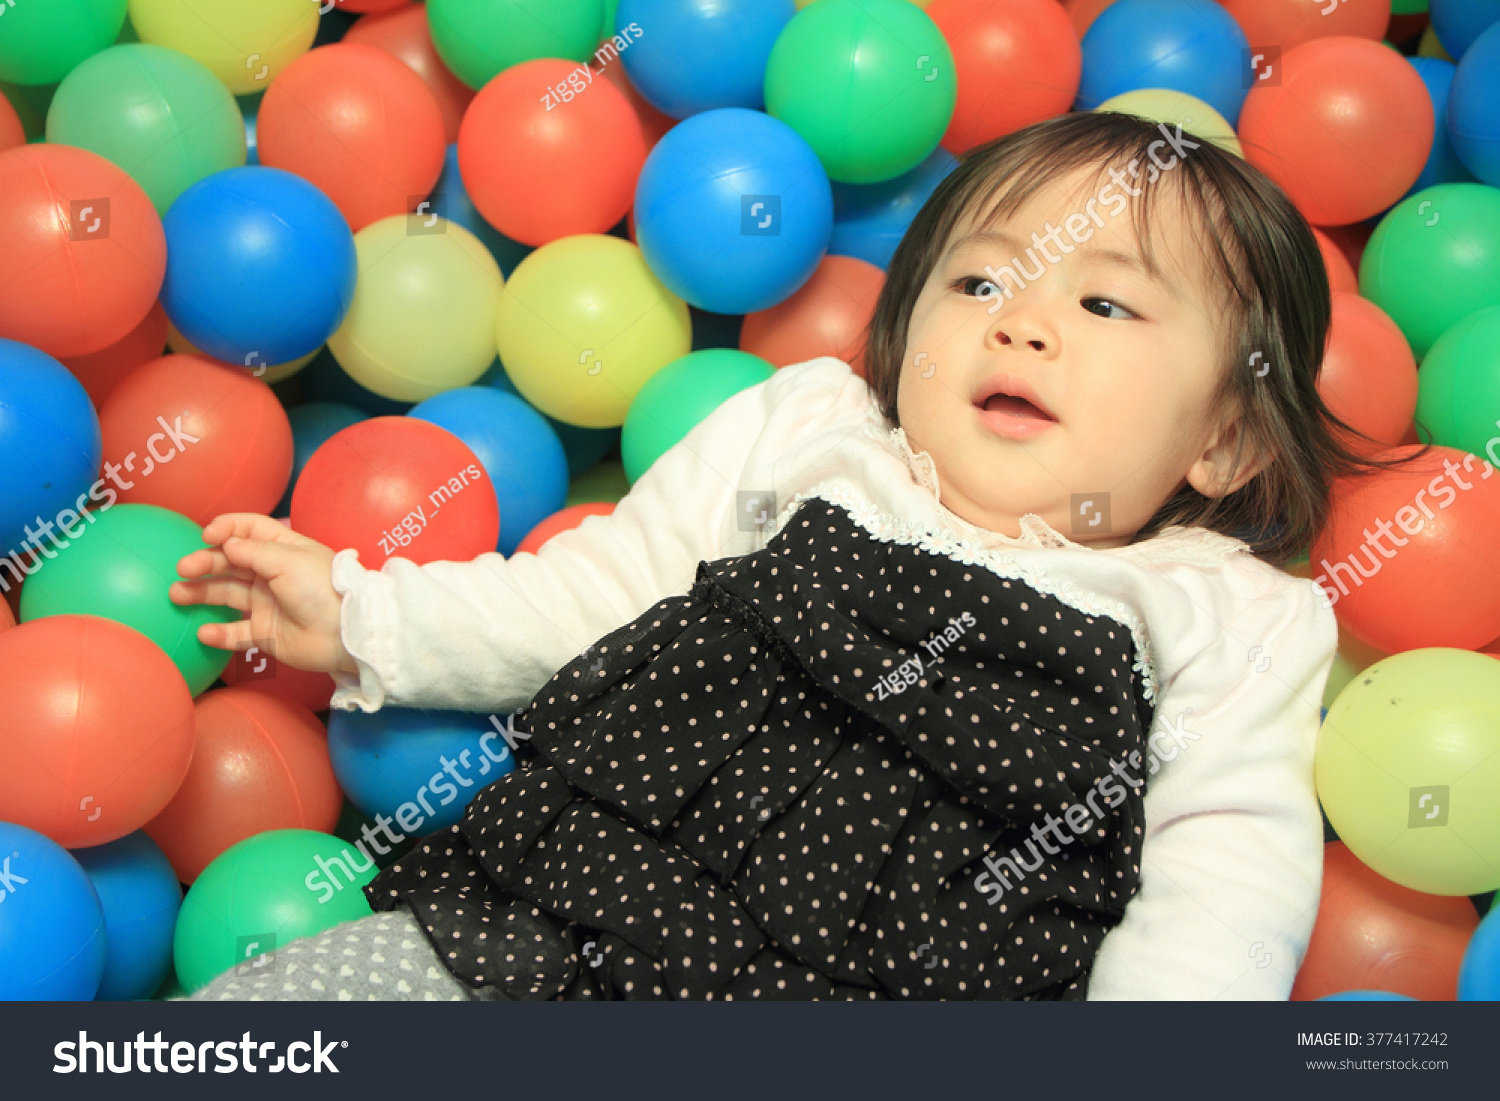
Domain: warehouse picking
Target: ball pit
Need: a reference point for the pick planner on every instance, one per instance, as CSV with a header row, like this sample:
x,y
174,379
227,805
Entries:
x,y
478,39
401,31
245,45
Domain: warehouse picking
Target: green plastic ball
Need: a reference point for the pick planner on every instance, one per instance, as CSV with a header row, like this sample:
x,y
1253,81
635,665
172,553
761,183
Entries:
x,y
1458,388
869,84
1435,259
120,567
1407,766
261,893
479,38
680,395
158,114
40,43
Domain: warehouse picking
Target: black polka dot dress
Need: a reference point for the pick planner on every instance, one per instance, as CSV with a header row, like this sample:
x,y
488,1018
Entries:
x,y
806,778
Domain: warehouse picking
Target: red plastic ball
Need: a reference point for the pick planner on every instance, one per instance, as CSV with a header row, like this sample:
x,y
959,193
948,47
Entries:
x,y
1288,23
96,731
1349,240
397,487
1427,577
1345,133
102,371
402,32
207,437
1369,376
1018,62
1341,275
262,673
82,251
537,174
1372,934
827,316
261,763
357,123
12,133
374,6
562,520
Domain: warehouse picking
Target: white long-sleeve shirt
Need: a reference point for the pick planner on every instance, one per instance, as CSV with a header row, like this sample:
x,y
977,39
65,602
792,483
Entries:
x,y
1234,654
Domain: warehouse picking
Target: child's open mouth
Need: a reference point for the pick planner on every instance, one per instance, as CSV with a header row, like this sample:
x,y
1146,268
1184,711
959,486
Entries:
x,y
1014,418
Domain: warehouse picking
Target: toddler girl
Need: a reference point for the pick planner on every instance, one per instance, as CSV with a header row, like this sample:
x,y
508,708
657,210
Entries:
x,y
974,678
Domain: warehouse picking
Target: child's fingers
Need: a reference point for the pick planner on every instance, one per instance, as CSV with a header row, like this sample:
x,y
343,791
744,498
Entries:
x,y
268,560
204,561
226,591
246,525
226,636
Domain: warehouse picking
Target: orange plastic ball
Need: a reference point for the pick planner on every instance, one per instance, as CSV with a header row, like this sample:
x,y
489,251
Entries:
x,y
357,123
260,672
402,32
654,123
207,438
826,316
102,371
1372,934
538,167
1345,132
7,617
82,251
12,133
373,6
1288,23
1018,62
1369,376
1428,574
562,520
261,763
1341,276
96,731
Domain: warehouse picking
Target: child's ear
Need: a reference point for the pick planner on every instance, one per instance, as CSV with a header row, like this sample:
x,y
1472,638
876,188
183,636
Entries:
x,y
1213,473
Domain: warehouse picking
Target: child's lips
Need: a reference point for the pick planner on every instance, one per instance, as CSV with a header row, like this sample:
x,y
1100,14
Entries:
x,y
1013,418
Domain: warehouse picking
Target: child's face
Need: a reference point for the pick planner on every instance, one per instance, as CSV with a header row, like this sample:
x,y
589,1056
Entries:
x,y
1125,364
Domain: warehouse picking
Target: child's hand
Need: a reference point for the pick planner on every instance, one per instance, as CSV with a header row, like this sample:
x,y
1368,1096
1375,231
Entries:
x,y
279,579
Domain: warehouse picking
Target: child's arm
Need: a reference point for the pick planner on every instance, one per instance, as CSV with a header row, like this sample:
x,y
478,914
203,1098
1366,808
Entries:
x,y
488,633
1232,859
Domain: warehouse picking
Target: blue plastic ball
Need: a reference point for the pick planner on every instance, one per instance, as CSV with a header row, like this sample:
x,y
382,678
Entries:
x,y
1191,46
1459,23
1479,973
1443,165
1366,996
517,448
450,200
869,220
584,446
141,896
50,446
259,263
52,939
312,423
1473,121
702,54
733,210
418,768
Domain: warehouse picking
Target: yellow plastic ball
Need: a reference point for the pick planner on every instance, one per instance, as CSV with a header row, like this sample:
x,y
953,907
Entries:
x,y
583,324
267,373
1177,108
1408,769
245,43
423,316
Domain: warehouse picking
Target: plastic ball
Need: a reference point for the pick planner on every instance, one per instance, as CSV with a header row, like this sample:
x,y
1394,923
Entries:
x,y
1017,62
360,125
262,266
605,483
100,372
654,123
1177,109
702,54
44,42
733,210
565,519
1479,973
538,167
97,729
260,672
838,59
397,487
260,763
1474,108
423,316
450,199
681,395
418,767
1458,24
140,896
1369,377
12,132
516,446
1289,23
869,220
402,33
826,316
584,322
254,366
1459,402
479,39
1341,276
82,252
583,446
245,45
260,894
1434,260
1406,767
223,444
52,937
1345,133
1443,165
49,445
119,565
1429,46
159,115
312,424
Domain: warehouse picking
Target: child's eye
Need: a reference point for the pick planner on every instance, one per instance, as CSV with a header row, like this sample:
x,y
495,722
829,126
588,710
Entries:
x,y
1108,302
962,283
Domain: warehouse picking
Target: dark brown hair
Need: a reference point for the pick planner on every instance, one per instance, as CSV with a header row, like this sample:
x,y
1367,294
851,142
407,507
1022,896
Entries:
x,y
1262,249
